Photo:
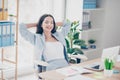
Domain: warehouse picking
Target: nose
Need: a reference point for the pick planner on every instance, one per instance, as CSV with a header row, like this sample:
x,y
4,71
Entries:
x,y
49,23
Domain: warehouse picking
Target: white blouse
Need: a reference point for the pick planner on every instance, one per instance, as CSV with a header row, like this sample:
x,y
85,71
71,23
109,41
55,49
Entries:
x,y
53,50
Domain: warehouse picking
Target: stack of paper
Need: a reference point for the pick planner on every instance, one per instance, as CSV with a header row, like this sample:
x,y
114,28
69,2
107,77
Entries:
x,y
73,70
67,71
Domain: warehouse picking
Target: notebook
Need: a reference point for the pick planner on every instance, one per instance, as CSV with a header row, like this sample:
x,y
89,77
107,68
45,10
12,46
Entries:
x,y
111,52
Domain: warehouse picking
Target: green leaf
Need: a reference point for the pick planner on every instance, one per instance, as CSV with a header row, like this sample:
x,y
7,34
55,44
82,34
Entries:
x,y
77,51
70,50
111,65
78,42
11,15
108,64
76,35
73,39
91,41
67,43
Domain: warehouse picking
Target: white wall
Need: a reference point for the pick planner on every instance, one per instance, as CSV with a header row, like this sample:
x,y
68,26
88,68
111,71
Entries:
x,y
112,23
30,11
74,10
58,9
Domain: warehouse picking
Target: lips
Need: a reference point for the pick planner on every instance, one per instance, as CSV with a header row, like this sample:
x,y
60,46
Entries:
x,y
49,27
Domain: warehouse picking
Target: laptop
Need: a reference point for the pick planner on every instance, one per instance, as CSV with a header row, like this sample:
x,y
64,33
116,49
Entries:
x,y
111,52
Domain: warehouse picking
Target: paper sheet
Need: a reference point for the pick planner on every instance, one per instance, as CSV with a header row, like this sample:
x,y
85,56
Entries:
x,y
78,77
67,71
73,70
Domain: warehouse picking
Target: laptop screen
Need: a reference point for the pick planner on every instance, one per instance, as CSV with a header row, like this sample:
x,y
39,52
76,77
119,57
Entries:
x,y
111,52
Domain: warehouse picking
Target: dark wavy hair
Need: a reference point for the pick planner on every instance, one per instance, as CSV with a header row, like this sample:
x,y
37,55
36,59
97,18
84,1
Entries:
x,y
39,25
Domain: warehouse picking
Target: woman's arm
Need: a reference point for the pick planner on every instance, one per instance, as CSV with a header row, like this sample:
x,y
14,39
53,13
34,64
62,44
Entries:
x,y
66,27
30,25
26,34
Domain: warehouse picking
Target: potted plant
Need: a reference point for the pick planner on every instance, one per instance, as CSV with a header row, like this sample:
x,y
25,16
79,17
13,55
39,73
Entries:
x,y
73,42
92,43
108,66
11,17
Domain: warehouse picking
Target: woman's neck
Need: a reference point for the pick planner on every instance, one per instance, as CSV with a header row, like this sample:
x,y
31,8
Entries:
x,y
49,37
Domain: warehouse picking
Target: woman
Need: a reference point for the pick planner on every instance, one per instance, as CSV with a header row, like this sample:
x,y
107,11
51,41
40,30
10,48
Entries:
x,y
49,44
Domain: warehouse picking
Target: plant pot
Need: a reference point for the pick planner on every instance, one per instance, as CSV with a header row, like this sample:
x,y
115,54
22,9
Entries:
x,y
73,61
11,18
108,73
78,60
93,46
84,47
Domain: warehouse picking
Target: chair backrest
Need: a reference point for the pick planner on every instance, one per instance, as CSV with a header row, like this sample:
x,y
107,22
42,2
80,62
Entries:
x,y
66,55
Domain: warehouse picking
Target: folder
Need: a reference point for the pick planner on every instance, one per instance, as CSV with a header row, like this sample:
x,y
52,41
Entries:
x,y
4,39
5,10
89,4
12,34
0,37
1,25
6,34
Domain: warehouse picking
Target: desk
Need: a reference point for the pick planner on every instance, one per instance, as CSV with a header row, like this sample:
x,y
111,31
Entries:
x,y
53,75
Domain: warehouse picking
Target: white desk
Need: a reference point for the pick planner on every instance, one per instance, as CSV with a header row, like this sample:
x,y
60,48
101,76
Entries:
x,y
53,75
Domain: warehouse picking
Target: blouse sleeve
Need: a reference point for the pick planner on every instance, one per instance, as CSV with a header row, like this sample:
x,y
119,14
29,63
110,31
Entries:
x,y
66,28
26,34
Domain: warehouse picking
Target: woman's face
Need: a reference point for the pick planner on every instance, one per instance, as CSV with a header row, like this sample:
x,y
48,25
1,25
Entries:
x,y
47,24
